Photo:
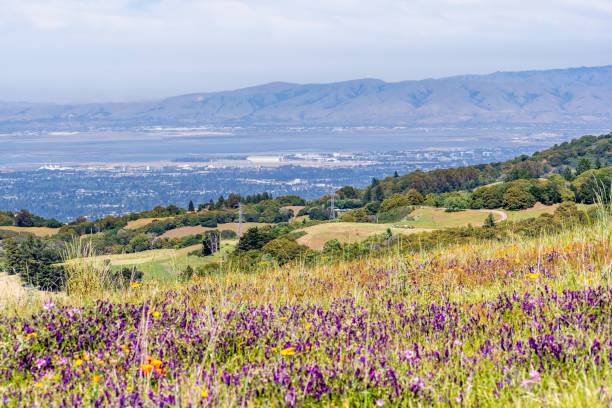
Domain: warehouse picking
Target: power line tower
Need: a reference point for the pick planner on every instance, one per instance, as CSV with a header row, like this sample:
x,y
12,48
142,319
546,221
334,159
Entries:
x,y
240,219
332,207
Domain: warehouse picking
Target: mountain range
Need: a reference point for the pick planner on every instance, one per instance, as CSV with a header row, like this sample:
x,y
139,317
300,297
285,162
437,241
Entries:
x,y
575,95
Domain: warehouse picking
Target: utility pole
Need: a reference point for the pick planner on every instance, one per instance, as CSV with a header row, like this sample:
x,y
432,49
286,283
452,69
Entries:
x,y
240,219
332,210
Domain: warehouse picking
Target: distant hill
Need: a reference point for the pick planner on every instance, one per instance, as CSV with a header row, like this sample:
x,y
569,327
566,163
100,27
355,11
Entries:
x,y
576,96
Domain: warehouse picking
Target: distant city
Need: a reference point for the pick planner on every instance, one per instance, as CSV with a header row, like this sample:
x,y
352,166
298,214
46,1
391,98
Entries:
x,y
96,190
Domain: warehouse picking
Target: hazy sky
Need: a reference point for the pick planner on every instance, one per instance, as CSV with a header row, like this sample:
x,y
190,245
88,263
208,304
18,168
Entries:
x,y
92,50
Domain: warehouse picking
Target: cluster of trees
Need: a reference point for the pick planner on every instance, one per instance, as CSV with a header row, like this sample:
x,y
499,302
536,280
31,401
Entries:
x,y
24,218
34,260
233,200
272,243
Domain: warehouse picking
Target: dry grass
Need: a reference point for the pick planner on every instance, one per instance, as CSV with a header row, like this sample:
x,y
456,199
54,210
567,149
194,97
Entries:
x,y
15,298
143,221
143,257
317,235
38,231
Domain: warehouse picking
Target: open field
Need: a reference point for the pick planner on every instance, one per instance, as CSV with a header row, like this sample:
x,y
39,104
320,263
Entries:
x,y
510,323
141,222
317,235
186,231
532,212
434,218
38,231
164,264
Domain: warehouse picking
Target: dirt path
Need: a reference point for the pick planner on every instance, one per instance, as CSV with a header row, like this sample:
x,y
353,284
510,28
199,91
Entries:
x,y
503,216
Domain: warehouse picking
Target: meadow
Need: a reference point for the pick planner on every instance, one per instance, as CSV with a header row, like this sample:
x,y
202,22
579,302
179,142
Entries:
x,y
317,235
38,231
525,322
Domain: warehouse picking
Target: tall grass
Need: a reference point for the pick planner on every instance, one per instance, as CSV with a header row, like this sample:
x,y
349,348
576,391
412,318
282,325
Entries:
x,y
87,277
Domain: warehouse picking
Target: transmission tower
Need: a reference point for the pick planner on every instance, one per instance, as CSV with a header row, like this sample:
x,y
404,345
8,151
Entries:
x,y
332,209
240,214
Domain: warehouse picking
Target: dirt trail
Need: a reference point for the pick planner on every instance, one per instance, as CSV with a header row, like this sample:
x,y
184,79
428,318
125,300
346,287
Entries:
x,y
503,216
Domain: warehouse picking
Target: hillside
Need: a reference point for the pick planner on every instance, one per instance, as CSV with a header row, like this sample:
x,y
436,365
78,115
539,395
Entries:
x,y
576,96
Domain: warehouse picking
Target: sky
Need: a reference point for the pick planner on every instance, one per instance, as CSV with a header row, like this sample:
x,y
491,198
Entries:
x,y
120,50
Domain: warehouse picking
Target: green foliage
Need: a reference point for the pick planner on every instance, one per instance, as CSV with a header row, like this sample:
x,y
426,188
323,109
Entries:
x,y
139,243
489,222
414,197
583,165
124,277
228,234
593,183
290,200
455,203
284,249
516,198
255,238
332,245
34,261
396,214
358,215
395,201
12,257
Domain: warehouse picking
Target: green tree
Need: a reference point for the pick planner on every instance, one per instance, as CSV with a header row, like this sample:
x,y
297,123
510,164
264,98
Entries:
x,y
38,265
598,163
489,221
454,203
13,260
395,201
254,238
284,249
191,206
414,197
379,194
23,218
583,165
515,198
567,174
332,245
139,243
491,197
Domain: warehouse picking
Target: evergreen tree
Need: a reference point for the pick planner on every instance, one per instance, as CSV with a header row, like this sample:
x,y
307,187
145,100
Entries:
x,y
191,206
598,163
395,174
379,194
583,166
567,174
12,257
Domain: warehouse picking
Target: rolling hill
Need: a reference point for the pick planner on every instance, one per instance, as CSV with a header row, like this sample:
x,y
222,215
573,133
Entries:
x,y
576,96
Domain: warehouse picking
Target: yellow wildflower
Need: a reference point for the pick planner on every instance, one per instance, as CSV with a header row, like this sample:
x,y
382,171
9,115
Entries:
x,y
289,351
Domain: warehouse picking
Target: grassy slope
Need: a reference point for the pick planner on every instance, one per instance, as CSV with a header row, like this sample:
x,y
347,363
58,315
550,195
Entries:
x,y
39,231
317,235
164,264
141,222
437,218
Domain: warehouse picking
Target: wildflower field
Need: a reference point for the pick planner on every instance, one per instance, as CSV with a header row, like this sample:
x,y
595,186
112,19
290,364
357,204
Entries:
x,y
525,323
